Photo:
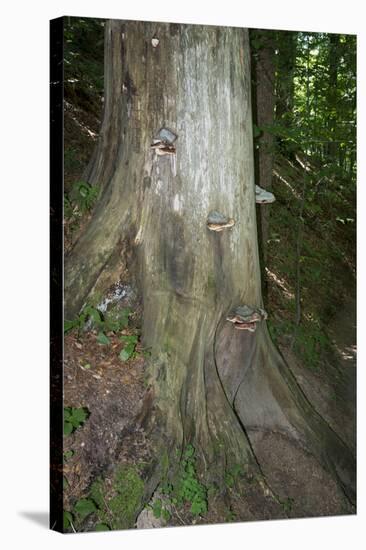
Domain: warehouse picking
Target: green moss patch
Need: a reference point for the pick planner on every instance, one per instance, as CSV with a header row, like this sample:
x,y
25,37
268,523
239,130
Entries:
x,y
119,500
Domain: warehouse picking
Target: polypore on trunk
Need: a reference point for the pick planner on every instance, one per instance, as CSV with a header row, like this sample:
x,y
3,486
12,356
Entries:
x,y
163,142
246,317
262,196
219,222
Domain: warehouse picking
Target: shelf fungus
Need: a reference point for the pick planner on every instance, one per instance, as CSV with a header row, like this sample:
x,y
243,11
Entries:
x,y
161,148
219,222
246,317
262,196
163,142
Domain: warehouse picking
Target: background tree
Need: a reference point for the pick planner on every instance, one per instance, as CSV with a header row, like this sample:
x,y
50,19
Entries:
x,y
263,74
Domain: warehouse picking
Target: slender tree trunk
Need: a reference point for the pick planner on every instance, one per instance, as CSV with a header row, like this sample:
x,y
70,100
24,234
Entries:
x,y
264,79
286,60
209,382
332,95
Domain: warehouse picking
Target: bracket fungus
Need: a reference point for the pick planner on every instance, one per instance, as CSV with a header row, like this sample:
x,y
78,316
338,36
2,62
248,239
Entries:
x,y
246,317
219,222
162,148
262,196
163,142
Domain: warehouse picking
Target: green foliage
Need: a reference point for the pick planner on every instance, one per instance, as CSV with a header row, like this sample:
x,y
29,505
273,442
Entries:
x,y
116,319
160,511
310,341
83,62
103,339
315,90
89,313
96,493
129,347
188,488
230,515
157,508
70,325
68,208
71,162
77,203
84,195
287,505
84,507
68,455
68,520
73,418
113,321
232,475
102,527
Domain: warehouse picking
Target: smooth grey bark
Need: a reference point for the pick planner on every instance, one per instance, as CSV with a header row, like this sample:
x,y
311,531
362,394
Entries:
x,y
208,381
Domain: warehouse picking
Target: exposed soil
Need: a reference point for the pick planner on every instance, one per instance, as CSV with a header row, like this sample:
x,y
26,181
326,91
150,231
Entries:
x,y
296,477
111,390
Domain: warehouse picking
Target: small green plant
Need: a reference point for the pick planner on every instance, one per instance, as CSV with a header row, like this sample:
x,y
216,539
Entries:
x,y
73,418
68,208
84,507
310,343
128,350
88,313
189,489
103,339
116,320
70,159
68,455
232,475
159,510
287,504
68,520
84,195
81,510
102,527
230,515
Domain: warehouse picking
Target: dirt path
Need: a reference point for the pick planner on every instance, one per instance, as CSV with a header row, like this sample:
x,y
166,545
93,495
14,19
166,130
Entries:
x,y
293,474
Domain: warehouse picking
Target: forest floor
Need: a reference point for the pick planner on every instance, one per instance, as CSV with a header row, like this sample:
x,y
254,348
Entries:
x,y
323,360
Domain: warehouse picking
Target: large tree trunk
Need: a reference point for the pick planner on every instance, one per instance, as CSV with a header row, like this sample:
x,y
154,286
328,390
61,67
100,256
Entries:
x,y
209,381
